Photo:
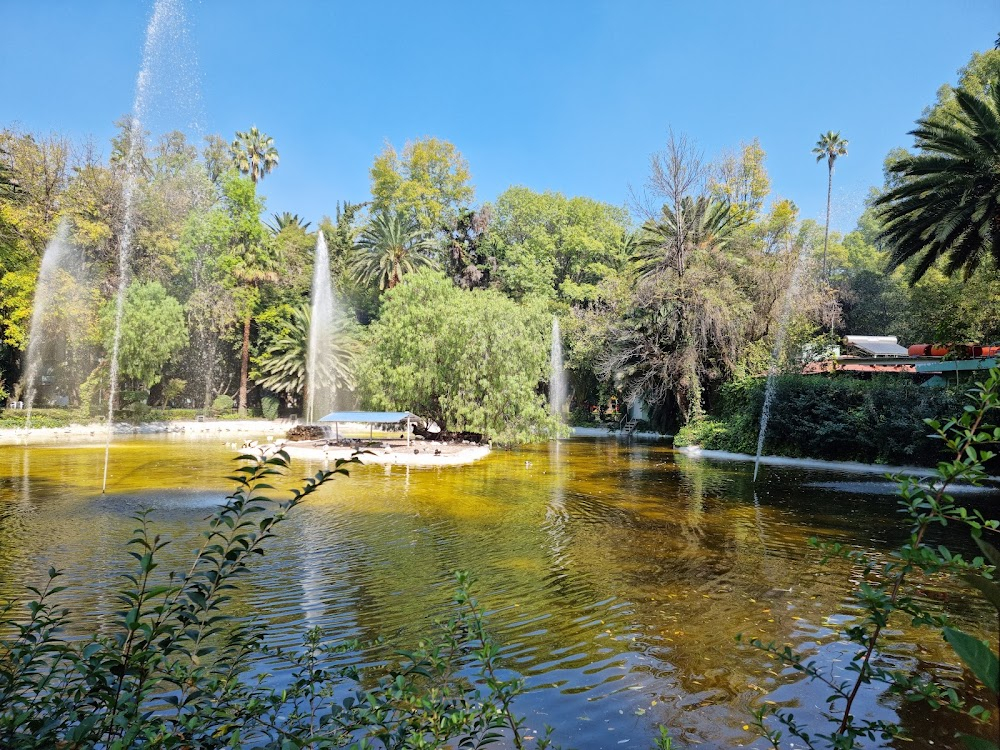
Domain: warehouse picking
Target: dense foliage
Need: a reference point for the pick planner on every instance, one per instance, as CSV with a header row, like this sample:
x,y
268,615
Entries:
x,y
450,354
840,419
663,302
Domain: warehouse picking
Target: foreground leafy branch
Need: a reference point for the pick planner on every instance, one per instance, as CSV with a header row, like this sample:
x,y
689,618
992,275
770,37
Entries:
x,y
176,669
884,591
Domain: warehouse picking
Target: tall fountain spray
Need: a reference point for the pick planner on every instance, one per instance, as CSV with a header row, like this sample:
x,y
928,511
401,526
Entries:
x,y
158,34
321,387
772,370
59,256
558,387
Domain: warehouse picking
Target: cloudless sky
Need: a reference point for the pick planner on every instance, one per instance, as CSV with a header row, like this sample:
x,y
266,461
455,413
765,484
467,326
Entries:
x,y
567,96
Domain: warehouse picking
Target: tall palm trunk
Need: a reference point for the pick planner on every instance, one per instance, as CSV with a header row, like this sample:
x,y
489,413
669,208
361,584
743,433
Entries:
x,y
244,367
826,234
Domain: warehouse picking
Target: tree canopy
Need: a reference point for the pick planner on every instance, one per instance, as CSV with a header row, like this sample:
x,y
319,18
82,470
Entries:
x,y
946,204
429,181
469,360
152,333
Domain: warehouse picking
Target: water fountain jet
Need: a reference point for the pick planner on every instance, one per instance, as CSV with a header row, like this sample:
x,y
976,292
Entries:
x,y
167,16
59,256
772,370
321,387
558,387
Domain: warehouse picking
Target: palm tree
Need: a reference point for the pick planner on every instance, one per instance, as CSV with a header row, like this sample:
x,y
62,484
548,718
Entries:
x,y
697,223
287,219
392,245
254,154
284,363
829,146
251,271
947,202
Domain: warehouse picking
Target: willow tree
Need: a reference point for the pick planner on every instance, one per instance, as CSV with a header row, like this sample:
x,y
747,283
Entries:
x,y
470,360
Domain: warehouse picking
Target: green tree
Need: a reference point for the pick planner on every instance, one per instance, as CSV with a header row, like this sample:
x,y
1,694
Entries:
x,y
700,223
829,146
546,244
976,76
254,154
211,305
741,180
152,331
689,315
429,182
947,204
216,157
17,290
251,263
40,167
469,360
287,219
469,258
283,365
391,246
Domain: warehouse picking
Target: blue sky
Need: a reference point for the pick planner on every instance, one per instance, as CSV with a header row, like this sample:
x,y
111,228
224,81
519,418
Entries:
x,y
567,96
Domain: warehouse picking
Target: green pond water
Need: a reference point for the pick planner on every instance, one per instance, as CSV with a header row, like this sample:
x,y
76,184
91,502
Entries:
x,y
616,576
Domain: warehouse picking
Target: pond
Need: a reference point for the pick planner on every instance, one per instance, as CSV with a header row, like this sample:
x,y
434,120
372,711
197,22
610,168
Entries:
x,y
616,576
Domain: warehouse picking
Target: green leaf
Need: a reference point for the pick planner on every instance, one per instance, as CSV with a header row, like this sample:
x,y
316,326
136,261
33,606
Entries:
x,y
976,655
978,743
992,553
989,589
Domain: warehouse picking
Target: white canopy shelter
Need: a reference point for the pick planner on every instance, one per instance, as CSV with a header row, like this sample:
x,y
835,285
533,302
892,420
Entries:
x,y
370,418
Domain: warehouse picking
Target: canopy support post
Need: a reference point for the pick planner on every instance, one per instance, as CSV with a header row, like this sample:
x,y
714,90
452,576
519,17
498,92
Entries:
x,y
407,431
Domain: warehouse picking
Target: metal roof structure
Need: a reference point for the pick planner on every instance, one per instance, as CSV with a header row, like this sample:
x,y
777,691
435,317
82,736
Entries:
x,y
959,365
878,346
369,417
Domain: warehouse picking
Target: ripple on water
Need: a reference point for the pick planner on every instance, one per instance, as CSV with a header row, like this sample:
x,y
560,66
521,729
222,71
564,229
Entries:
x,y
615,578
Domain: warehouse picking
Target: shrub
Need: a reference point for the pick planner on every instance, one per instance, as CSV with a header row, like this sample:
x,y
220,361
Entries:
x,y
222,404
269,407
704,432
845,419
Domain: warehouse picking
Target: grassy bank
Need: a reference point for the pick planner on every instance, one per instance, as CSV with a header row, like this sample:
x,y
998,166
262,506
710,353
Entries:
x,y
15,418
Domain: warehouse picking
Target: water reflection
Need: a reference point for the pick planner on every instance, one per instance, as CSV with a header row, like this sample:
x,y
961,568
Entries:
x,y
617,576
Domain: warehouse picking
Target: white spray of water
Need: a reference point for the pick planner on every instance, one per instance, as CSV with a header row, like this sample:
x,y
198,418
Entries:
x,y
321,387
779,345
158,33
558,387
58,256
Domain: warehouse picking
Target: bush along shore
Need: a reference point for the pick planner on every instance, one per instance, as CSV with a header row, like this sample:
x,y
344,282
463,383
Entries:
x,y
837,419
